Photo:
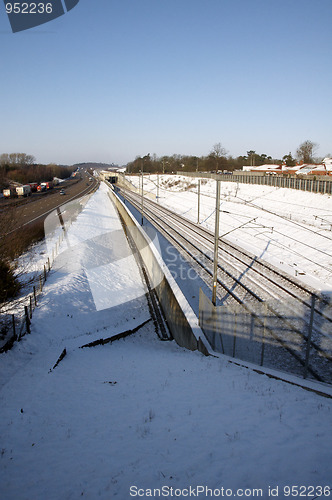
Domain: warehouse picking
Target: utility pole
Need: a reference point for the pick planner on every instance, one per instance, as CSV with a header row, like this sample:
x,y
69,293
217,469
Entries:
x,y
216,241
157,187
199,199
142,198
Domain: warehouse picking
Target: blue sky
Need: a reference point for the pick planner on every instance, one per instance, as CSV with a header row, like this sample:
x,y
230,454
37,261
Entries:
x,y
113,79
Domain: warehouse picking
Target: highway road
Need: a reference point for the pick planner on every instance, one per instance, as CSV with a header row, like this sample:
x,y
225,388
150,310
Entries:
x,y
38,206
20,213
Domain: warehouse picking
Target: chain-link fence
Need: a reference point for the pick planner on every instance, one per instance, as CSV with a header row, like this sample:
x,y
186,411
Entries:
x,y
290,337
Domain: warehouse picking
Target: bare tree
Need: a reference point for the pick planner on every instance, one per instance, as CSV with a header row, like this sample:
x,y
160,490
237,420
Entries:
x,y
17,159
218,151
251,156
306,150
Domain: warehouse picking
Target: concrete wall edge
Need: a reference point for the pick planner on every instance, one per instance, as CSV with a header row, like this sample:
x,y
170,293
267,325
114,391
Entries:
x,y
202,342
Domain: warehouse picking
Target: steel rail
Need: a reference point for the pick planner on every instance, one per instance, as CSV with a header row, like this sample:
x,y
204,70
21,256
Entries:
x,y
234,279
201,231
271,269
241,255
240,301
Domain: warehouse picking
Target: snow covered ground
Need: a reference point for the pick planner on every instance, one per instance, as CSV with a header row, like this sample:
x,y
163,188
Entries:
x,y
290,228
119,419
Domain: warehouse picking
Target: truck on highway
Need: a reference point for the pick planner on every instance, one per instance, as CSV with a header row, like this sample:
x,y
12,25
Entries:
x,y
33,186
23,190
45,186
9,192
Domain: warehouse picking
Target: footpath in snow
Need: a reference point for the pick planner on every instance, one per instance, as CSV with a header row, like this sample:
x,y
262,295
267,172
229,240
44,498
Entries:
x,y
122,419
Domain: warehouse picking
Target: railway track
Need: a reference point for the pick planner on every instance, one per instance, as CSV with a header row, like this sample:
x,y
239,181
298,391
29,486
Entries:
x,y
297,314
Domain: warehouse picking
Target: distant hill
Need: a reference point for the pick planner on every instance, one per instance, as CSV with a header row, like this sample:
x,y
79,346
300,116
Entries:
x,y
103,166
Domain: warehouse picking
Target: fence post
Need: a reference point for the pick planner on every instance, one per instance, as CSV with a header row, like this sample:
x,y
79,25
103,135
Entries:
x,y
40,282
216,241
142,196
312,312
49,264
44,273
34,295
264,330
234,333
14,327
198,199
30,306
27,320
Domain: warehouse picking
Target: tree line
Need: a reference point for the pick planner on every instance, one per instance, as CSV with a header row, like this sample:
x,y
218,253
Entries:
x,y
218,160
20,167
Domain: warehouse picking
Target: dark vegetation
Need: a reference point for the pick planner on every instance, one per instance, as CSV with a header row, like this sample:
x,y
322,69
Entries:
x,y
12,245
218,160
35,173
9,285
20,168
20,240
215,161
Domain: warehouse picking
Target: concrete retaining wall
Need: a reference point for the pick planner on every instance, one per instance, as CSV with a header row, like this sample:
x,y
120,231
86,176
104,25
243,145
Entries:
x,y
181,319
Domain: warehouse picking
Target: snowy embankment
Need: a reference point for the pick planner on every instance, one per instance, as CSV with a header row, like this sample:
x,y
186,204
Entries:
x,y
292,229
138,412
